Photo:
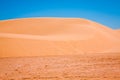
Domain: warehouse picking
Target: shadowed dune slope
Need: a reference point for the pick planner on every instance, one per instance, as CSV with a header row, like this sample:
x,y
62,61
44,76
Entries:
x,y
55,36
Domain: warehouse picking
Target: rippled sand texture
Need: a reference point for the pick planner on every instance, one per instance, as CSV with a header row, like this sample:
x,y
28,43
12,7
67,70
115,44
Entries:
x,y
80,67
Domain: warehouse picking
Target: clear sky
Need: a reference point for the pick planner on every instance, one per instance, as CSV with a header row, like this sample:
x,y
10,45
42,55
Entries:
x,y
106,12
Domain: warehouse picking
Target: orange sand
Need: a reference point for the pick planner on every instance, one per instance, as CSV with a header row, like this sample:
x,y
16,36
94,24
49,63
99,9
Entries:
x,y
55,36
118,30
80,67
58,49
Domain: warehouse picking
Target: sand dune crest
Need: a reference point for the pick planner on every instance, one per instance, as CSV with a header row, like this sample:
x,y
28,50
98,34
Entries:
x,y
55,36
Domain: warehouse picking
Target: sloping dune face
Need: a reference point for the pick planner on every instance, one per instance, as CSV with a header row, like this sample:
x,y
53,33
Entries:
x,y
118,30
55,36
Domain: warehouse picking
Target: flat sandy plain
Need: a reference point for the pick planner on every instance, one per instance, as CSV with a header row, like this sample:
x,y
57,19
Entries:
x,y
58,49
78,67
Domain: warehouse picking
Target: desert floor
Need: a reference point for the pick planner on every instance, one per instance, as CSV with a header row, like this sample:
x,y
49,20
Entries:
x,y
78,67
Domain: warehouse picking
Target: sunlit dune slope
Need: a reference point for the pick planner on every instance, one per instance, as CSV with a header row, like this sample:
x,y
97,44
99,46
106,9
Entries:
x,y
55,36
118,30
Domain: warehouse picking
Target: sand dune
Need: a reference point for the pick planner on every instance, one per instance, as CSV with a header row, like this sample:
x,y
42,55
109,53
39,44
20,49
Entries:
x,y
118,30
58,49
55,36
